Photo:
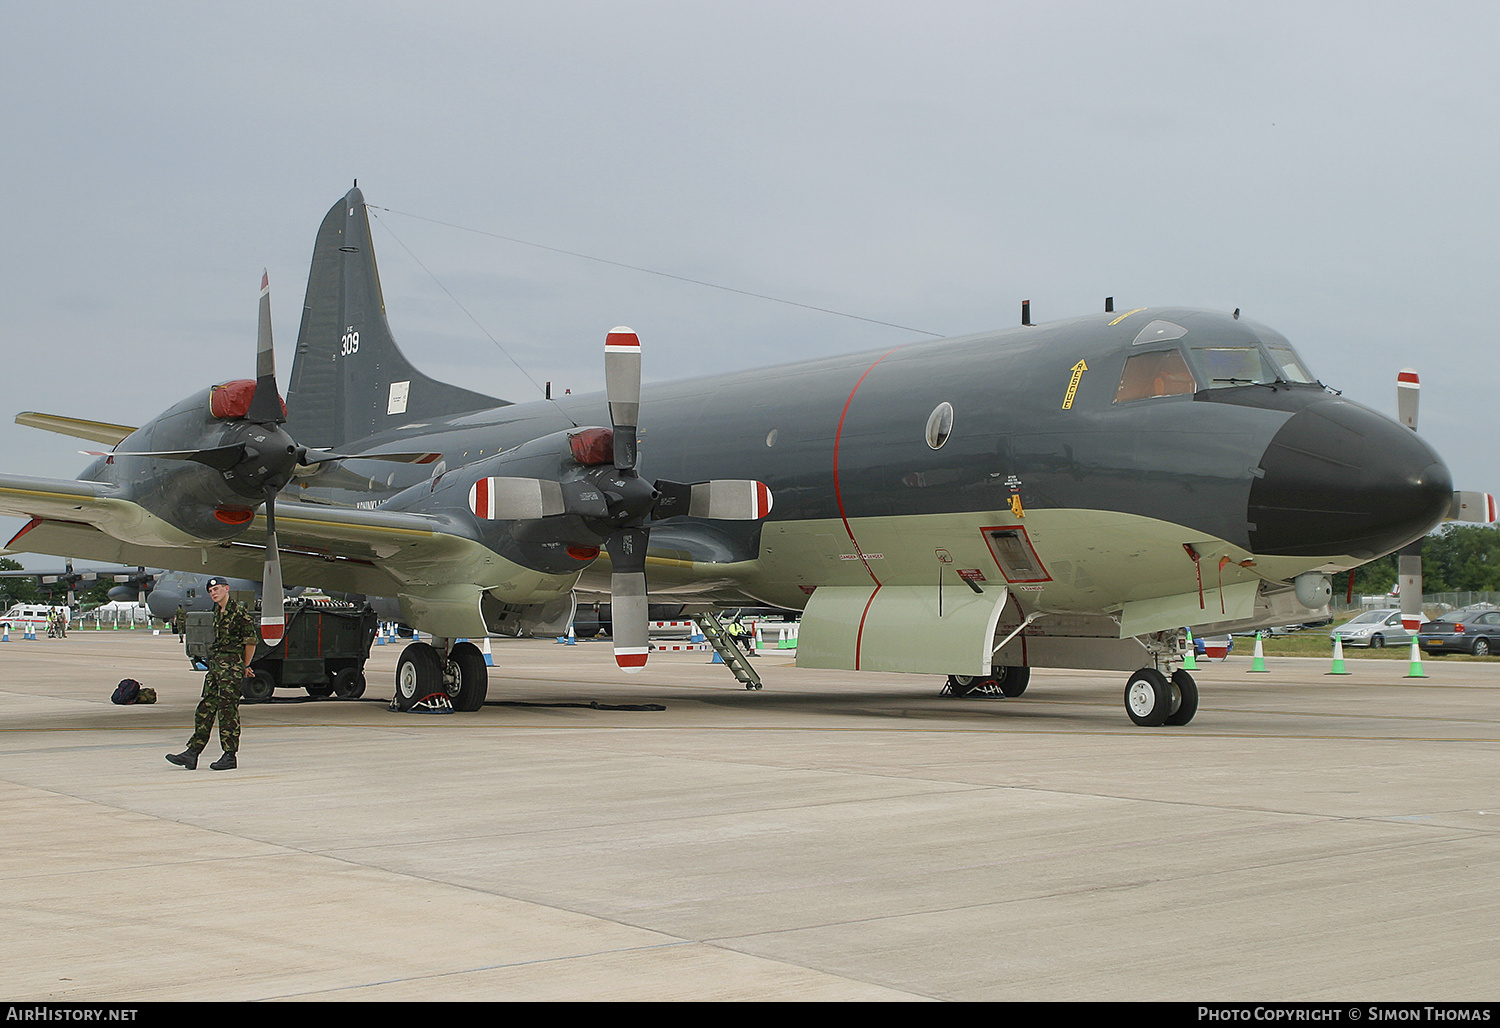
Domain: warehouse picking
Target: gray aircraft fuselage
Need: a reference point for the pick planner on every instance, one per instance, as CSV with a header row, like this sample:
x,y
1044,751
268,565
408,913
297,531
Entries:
x,y
1276,469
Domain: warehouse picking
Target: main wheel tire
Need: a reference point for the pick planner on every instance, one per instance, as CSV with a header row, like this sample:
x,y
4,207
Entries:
x,y
1148,698
471,677
419,674
1186,690
963,685
1012,679
259,688
1481,648
349,683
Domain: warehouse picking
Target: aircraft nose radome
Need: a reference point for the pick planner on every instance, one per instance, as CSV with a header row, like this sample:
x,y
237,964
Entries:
x,y
1342,479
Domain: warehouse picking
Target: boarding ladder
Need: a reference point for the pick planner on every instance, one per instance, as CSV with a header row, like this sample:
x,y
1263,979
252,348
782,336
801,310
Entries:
x,y
728,650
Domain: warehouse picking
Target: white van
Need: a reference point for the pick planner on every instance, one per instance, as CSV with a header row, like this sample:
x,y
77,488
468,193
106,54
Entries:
x,y
33,614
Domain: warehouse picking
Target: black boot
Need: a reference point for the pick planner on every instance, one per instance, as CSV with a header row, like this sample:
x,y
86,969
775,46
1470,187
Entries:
x,y
187,759
225,763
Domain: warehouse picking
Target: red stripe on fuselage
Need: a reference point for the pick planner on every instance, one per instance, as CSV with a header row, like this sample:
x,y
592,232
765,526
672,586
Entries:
x,y
838,497
838,494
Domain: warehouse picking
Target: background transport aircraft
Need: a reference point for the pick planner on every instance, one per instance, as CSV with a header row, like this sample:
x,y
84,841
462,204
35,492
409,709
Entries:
x,y
130,582
1066,495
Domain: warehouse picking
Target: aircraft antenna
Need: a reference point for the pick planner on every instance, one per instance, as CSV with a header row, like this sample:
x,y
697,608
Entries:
x,y
666,274
546,392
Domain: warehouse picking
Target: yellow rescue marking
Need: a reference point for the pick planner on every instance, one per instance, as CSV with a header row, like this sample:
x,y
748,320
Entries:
x,y
1127,314
1078,370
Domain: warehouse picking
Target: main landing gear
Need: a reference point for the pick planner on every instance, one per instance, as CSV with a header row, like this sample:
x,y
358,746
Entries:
x,y
1152,699
425,676
1008,680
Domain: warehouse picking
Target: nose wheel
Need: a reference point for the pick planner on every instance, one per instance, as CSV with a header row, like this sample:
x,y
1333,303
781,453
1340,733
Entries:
x,y
1152,699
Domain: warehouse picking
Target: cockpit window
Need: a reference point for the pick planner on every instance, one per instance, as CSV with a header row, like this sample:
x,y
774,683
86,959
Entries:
x,y
1227,366
1272,363
1290,364
1158,373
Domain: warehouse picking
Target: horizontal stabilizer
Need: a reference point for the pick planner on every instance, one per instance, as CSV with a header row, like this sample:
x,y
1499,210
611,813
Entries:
x,y
97,431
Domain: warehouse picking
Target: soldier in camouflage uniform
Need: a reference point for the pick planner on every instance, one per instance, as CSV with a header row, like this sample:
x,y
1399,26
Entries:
x,y
235,636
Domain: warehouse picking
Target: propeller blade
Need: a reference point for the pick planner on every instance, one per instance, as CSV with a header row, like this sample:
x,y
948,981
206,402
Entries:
x,y
622,384
630,630
220,458
724,499
308,456
1409,561
1471,506
265,406
272,598
1408,391
516,499
1409,575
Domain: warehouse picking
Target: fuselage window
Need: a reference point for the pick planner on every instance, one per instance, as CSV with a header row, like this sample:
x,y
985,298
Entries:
x,y
940,425
1159,373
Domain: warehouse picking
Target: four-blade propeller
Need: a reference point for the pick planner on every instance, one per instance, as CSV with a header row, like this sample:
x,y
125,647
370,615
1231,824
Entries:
x,y
260,458
614,503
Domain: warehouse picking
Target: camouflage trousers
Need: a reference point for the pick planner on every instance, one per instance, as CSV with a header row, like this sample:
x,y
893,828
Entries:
x,y
221,699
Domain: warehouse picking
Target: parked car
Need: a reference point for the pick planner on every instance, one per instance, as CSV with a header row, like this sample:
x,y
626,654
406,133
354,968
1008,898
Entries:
x,y
1374,628
1473,630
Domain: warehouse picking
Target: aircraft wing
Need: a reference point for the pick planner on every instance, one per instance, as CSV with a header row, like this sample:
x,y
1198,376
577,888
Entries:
x,y
98,431
95,503
381,553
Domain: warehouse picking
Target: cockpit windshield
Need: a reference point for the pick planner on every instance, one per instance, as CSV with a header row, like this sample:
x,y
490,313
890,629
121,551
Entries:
x,y
1166,373
1226,366
1223,367
1195,363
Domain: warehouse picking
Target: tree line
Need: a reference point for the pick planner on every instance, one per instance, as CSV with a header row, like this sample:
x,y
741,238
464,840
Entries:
x,y
1455,558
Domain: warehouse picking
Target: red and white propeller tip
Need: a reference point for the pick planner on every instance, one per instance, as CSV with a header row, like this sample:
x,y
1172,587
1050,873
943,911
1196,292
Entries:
x,y
1408,391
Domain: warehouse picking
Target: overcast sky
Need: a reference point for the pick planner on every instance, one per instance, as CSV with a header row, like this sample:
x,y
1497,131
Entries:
x,y
1330,168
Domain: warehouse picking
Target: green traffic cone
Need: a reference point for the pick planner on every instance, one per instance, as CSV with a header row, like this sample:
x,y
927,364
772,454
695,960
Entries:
x,y
1259,662
1190,660
1338,656
1416,661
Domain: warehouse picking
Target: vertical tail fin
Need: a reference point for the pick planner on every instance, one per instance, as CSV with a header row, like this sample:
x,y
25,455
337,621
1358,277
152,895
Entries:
x,y
349,379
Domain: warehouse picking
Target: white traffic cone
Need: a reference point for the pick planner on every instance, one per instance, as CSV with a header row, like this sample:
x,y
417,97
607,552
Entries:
x,y
1258,662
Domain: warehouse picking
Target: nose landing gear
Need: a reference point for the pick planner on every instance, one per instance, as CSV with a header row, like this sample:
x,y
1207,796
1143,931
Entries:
x,y
1152,699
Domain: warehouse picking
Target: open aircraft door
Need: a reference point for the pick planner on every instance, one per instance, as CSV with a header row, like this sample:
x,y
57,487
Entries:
x,y
900,628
